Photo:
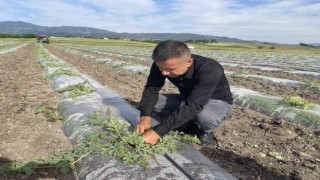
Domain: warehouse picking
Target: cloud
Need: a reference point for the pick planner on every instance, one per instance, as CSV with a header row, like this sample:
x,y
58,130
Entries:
x,y
286,21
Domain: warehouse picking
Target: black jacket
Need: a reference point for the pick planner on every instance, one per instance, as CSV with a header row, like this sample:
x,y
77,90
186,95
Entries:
x,y
204,80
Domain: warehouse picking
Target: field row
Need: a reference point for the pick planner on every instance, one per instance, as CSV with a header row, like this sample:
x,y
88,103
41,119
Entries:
x,y
311,86
269,105
292,60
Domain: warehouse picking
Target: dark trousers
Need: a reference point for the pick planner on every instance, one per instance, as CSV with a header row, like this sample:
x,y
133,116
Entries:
x,y
212,115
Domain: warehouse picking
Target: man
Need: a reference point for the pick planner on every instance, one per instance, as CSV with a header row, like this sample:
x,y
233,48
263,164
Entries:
x,y
205,95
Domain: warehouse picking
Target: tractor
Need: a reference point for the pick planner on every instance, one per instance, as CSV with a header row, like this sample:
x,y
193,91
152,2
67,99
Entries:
x,y
43,39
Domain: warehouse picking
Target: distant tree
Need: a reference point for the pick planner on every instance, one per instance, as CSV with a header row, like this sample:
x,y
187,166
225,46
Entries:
x,y
260,47
3,35
114,37
214,41
303,44
29,36
272,47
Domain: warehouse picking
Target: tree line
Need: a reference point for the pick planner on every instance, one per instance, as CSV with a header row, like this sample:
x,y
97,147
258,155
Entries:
x,y
3,35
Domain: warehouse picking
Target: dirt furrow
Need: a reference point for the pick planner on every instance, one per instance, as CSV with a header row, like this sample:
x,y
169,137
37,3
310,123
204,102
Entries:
x,y
25,135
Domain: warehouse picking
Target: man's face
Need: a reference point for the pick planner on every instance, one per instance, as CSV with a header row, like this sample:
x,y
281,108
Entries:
x,y
174,67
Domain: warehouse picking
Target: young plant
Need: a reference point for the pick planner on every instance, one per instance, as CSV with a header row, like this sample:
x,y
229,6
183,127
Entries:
x,y
65,72
110,138
297,101
240,73
276,155
77,89
113,139
49,114
311,84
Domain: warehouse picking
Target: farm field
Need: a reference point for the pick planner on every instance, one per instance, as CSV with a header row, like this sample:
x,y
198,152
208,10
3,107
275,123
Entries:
x,y
241,141
26,135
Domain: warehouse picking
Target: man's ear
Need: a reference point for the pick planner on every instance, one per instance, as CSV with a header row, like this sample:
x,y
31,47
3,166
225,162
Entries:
x,y
189,62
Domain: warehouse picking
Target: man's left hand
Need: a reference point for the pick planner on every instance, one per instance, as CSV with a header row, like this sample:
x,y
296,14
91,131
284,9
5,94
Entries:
x,y
150,137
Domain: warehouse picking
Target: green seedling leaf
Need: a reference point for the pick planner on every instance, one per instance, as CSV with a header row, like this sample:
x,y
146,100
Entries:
x,y
297,101
77,89
63,166
276,155
49,114
262,154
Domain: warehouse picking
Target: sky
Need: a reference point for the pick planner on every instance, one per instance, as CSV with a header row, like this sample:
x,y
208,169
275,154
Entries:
x,y
282,21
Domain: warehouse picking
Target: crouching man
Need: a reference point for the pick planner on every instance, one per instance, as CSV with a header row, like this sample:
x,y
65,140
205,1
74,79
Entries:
x,y
205,97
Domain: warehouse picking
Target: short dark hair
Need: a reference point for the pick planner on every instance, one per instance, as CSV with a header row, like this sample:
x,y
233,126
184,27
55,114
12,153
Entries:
x,y
170,49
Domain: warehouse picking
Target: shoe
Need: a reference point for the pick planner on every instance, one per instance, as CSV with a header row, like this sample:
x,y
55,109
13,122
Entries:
x,y
206,138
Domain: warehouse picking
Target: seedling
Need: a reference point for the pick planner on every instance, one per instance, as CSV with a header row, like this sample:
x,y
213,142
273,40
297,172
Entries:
x,y
61,71
311,84
297,101
110,138
287,69
77,89
276,155
49,114
240,73
252,145
262,154
113,139
143,72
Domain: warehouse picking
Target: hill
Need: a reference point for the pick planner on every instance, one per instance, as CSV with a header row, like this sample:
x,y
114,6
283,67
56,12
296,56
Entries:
x,y
21,28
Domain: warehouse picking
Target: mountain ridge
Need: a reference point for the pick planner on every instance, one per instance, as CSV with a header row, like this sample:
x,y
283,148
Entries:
x,y
21,28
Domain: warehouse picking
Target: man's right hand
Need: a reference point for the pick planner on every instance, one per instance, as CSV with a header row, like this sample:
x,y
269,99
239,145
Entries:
x,y
143,125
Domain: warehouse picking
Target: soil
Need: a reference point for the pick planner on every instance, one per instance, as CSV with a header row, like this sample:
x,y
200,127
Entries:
x,y
240,139
25,135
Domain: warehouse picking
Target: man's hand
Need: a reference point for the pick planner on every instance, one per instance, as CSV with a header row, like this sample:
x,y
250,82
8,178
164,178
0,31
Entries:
x,y
150,137
143,125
